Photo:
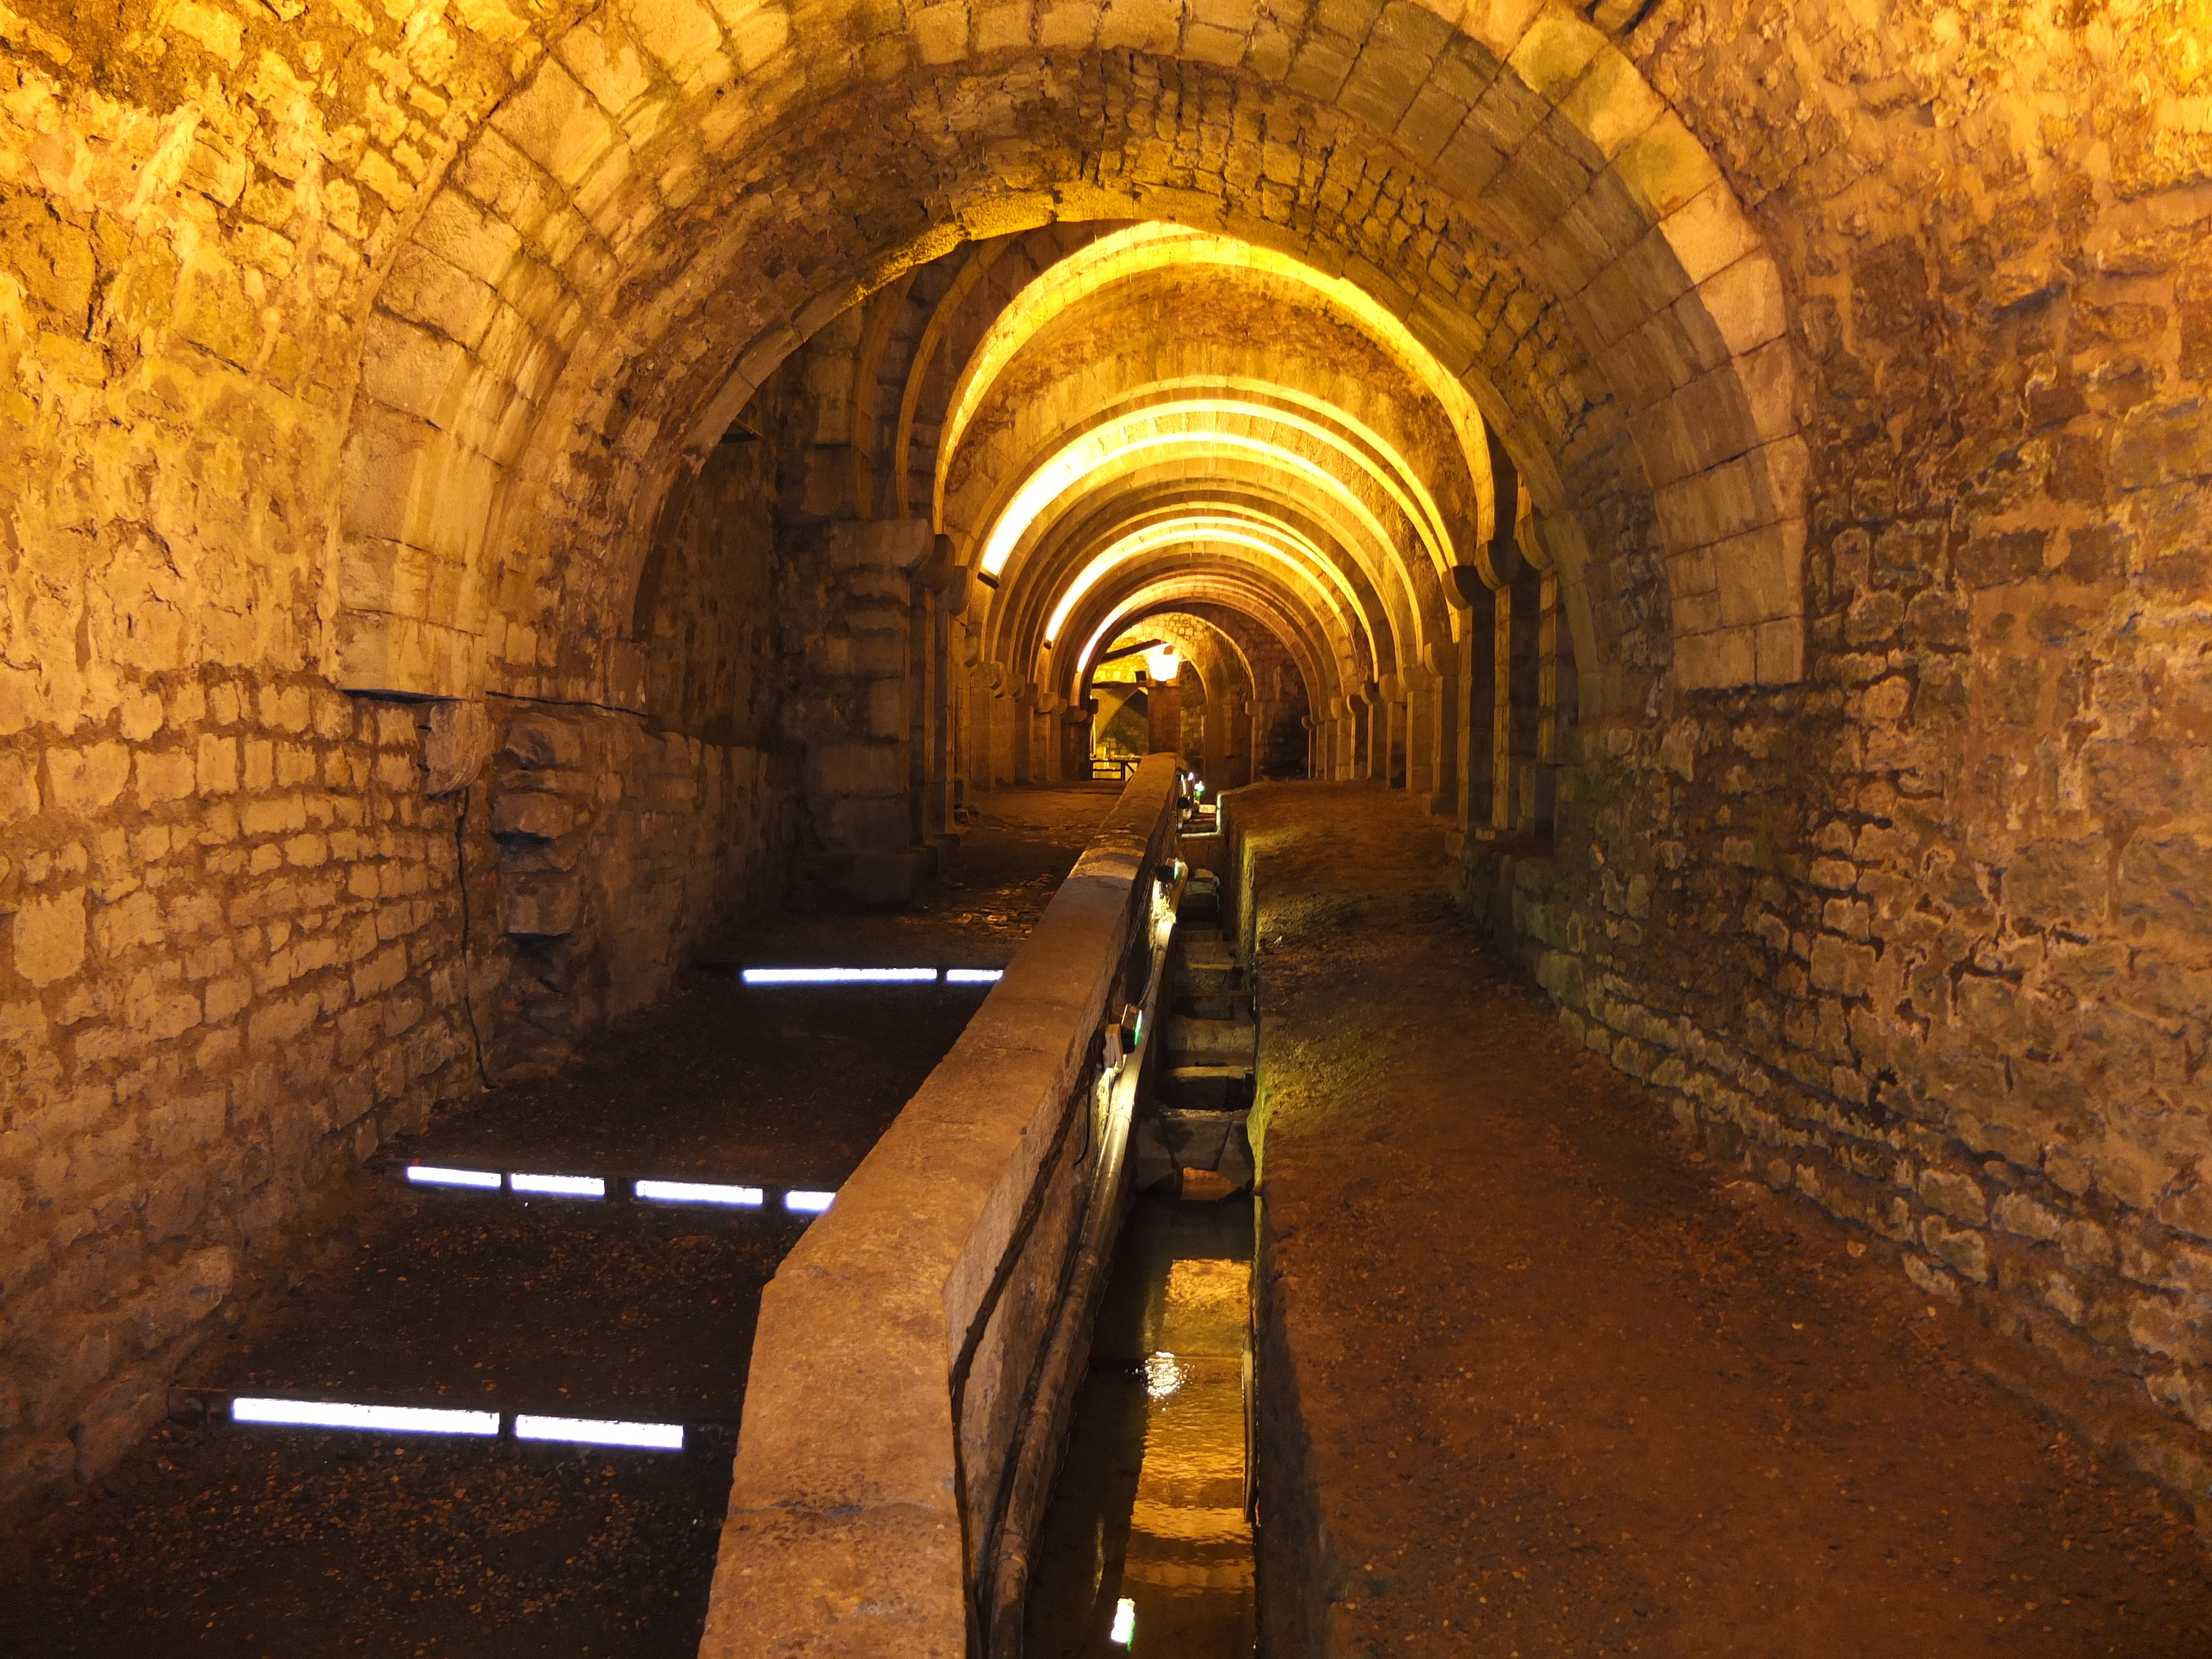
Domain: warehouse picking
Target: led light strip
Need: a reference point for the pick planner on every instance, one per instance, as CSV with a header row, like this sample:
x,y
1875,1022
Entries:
x,y
594,1431
560,1186
728,1195
870,976
424,1175
392,1419
698,1191
426,1420
838,975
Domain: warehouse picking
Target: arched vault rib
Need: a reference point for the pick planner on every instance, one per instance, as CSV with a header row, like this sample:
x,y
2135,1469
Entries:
x,y
1307,646
1244,534
1308,524
1086,638
1228,400
1123,445
1155,246
1332,641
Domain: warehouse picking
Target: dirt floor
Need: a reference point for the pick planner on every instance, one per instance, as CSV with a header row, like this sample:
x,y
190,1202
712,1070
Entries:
x,y
1571,1389
226,1543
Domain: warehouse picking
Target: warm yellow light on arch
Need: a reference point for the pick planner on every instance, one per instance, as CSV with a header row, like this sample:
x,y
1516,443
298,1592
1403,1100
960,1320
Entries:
x,y
1154,246
1107,444
1212,528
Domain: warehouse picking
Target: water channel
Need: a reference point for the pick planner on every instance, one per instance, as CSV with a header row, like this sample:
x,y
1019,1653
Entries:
x,y
1147,1546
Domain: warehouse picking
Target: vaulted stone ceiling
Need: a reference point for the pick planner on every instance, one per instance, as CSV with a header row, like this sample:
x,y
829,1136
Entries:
x,y
633,231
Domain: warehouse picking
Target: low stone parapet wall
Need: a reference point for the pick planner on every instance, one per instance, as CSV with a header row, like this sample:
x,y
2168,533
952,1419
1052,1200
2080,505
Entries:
x,y
918,1350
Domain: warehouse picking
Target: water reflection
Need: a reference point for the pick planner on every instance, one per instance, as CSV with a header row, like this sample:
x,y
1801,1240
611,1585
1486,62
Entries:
x,y
1147,1549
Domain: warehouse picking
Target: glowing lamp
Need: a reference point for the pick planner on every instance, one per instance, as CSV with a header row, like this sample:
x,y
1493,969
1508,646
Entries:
x,y
1161,664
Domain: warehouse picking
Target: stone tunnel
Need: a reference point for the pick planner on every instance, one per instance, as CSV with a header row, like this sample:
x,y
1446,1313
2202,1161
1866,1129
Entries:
x,y
1669,543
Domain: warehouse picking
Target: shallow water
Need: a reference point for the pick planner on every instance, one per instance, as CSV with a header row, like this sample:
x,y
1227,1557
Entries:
x,y
1147,1547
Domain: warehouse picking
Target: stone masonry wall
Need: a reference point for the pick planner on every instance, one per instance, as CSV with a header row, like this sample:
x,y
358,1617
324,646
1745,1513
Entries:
x,y
1927,938
231,931
236,954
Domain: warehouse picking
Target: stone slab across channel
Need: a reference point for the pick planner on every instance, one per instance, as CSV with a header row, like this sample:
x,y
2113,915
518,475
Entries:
x,y
902,1358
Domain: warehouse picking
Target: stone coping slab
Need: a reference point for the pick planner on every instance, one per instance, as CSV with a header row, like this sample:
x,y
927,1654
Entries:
x,y
845,1533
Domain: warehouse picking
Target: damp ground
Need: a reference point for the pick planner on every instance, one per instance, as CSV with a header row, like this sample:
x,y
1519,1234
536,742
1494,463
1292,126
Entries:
x,y
1573,1389
223,1542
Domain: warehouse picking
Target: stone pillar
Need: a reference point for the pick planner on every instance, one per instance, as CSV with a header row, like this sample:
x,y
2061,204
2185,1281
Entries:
x,y
864,733
1261,714
1046,748
1521,699
1076,726
1026,767
1391,726
1372,755
1343,739
979,682
938,819
1441,659
1164,715
1551,650
1478,702
921,707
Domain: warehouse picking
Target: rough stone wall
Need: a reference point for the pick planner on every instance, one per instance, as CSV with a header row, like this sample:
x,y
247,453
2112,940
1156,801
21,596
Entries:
x,y
615,841
1927,938
232,943
232,922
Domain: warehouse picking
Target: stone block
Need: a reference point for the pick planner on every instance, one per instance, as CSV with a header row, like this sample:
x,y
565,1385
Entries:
x,y
216,766
19,787
1665,167
48,935
533,815
2163,443
2164,881
1840,966
1703,661
857,768
540,742
456,744
1958,1196
88,779
178,1296
863,825
543,906
1745,303
168,775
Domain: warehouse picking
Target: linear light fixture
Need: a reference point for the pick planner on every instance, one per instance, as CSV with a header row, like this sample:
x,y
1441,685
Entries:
x,y
696,1192
559,1186
390,1420
596,1431
426,1175
1125,1623
838,975
974,975
804,1203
